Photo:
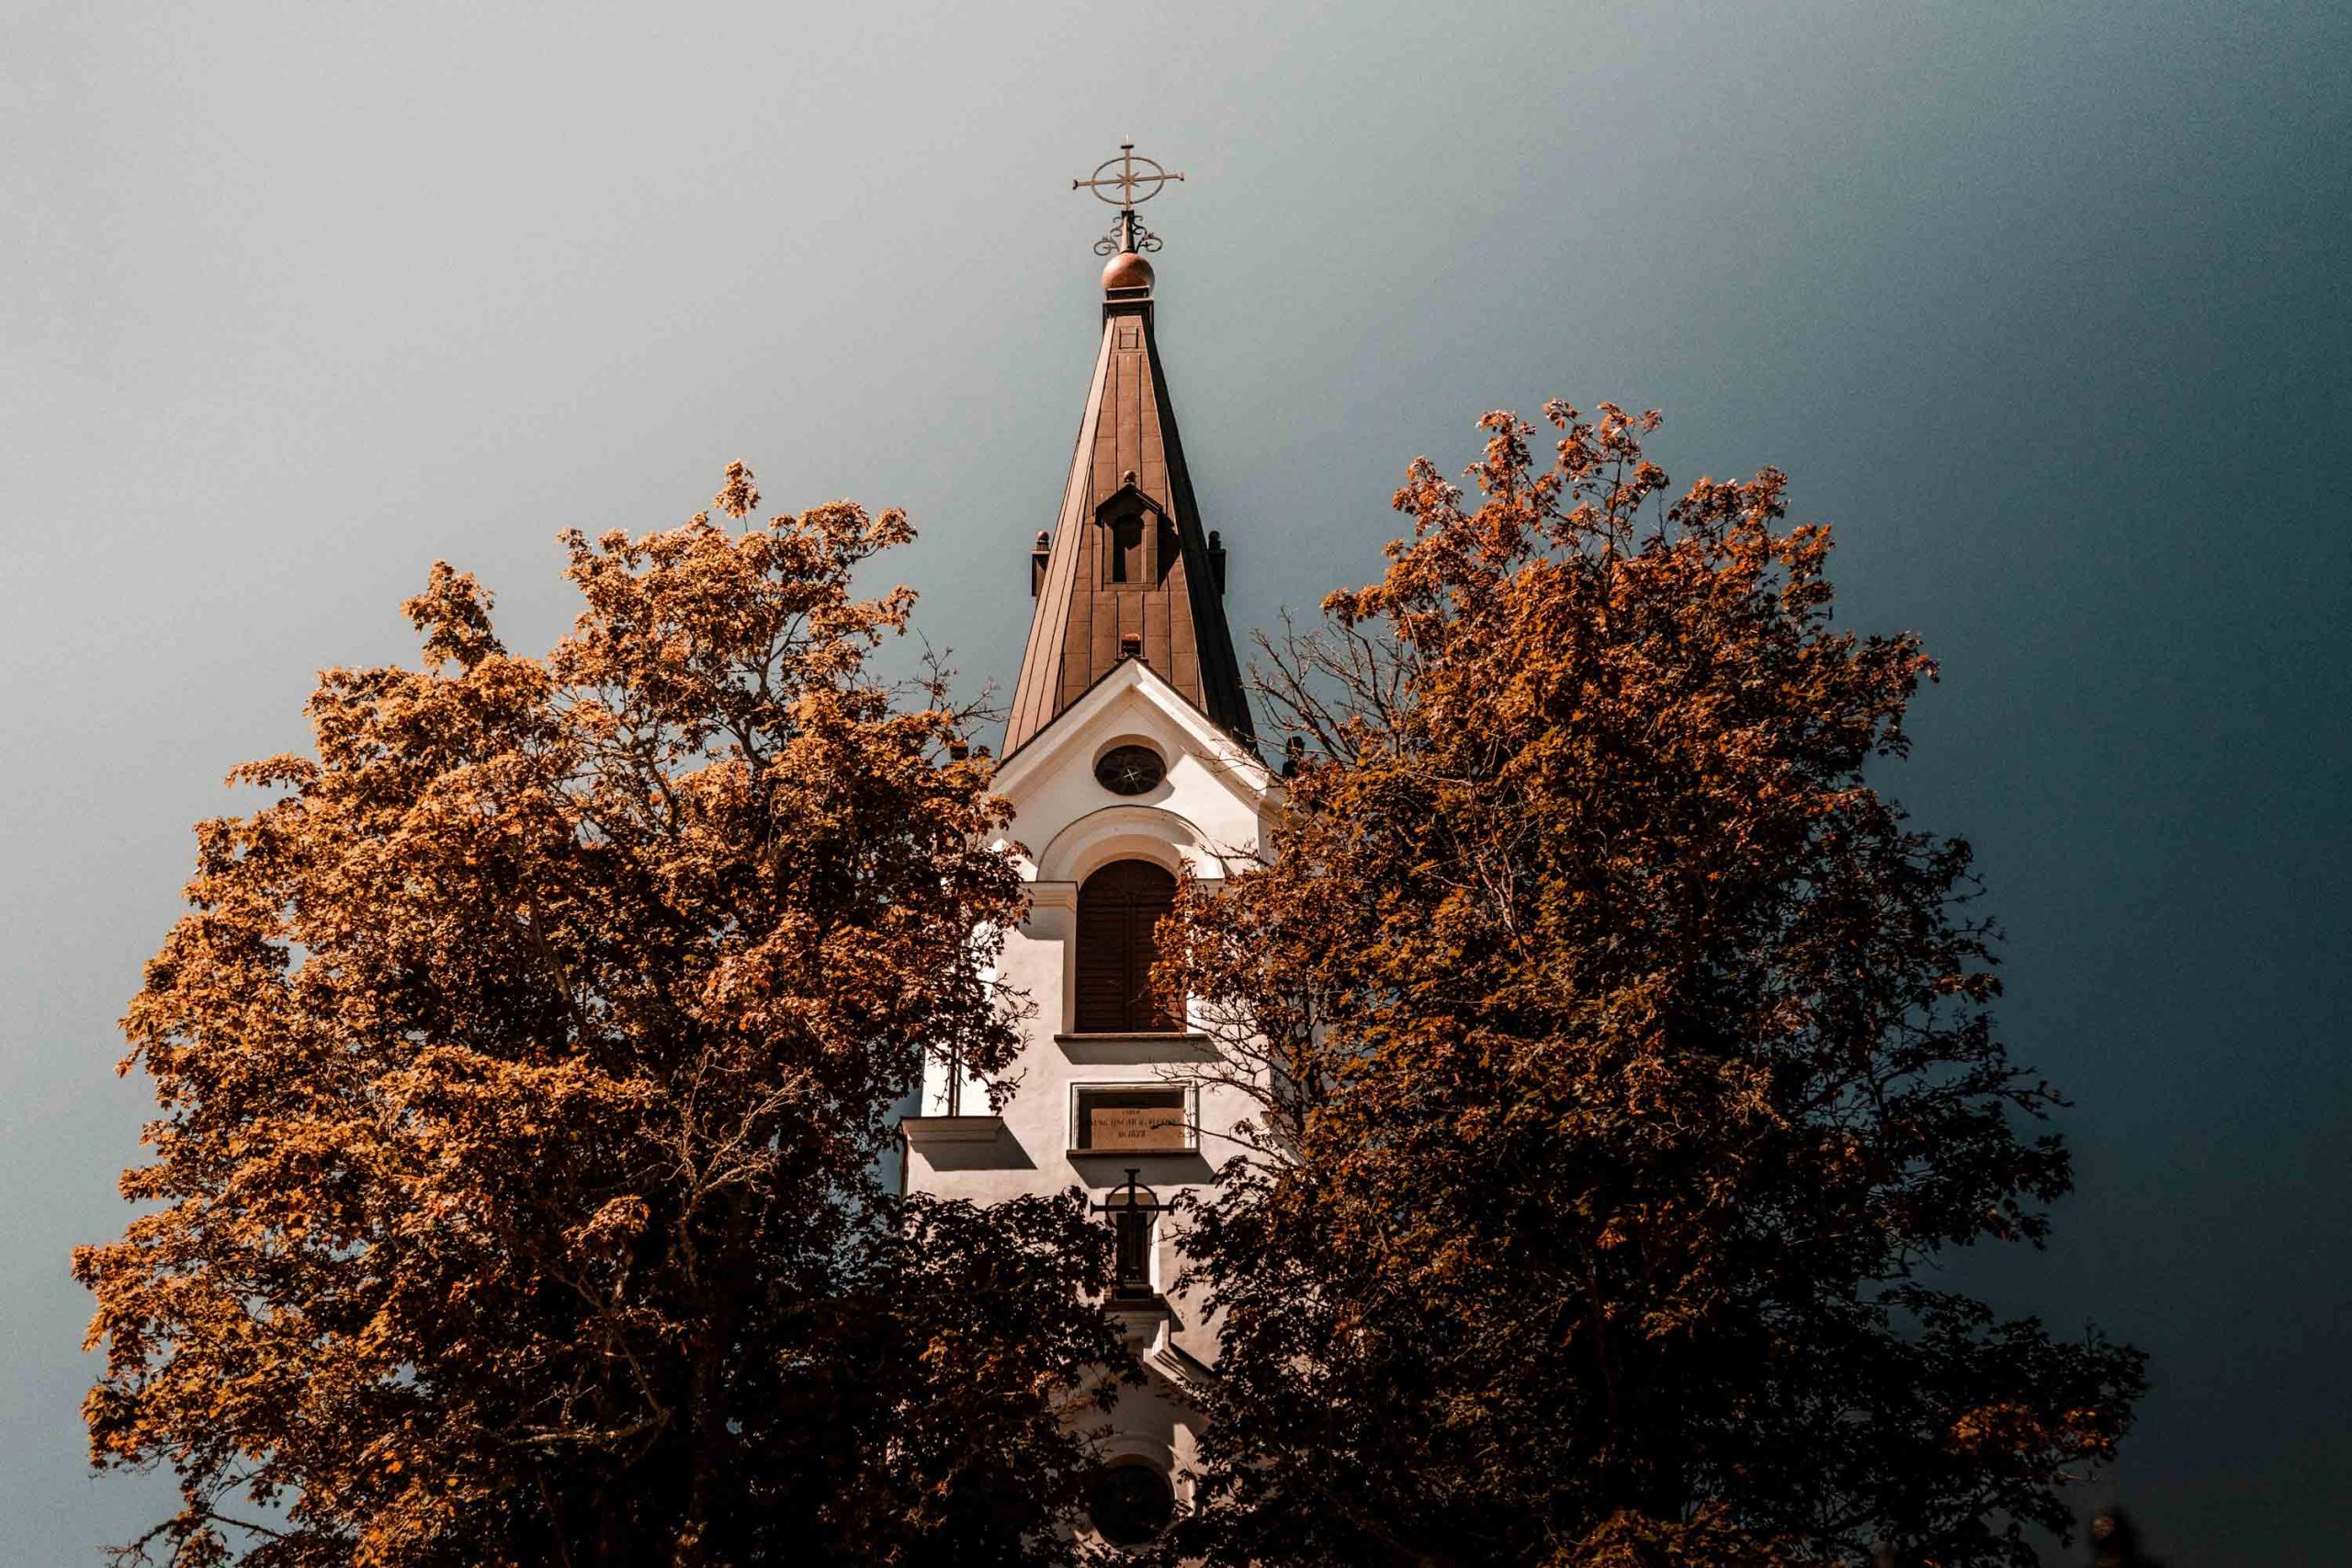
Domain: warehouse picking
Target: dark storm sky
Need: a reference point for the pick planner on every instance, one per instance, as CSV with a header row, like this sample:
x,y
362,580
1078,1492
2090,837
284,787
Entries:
x,y
2042,306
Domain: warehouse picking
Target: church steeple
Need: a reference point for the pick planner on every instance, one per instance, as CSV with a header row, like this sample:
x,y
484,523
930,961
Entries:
x,y
1129,573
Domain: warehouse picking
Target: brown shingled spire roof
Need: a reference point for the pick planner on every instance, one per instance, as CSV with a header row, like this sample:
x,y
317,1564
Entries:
x,y
1128,567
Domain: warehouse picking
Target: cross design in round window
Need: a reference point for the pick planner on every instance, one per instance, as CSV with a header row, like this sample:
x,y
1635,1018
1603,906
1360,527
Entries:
x,y
1129,770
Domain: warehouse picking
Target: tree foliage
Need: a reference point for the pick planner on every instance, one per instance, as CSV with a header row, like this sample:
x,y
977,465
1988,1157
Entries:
x,y
525,1064
1622,1060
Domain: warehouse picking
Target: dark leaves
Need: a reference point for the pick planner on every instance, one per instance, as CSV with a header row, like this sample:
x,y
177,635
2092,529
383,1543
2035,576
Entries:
x,y
524,1065
1621,1054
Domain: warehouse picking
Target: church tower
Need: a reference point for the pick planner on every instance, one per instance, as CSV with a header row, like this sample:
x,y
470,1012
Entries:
x,y
1129,762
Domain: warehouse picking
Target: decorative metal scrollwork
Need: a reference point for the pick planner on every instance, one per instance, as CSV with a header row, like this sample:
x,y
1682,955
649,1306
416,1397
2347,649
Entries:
x,y
1125,234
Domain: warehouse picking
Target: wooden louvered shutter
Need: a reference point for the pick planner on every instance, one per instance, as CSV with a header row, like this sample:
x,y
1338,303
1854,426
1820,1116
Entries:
x,y
1118,909
1101,966
1150,906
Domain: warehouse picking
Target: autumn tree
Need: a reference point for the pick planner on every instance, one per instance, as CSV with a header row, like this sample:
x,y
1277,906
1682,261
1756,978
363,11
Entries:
x,y
523,1064
1624,1061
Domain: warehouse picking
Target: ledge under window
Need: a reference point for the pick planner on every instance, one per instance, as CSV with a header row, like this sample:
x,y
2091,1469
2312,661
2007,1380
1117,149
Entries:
x,y
951,1129
1170,1046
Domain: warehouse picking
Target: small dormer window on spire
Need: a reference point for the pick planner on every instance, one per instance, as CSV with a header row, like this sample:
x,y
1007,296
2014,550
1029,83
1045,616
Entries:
x,y
1139,546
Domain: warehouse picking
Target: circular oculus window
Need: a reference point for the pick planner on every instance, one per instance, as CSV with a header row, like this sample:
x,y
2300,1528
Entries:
x,y
1129,1503
1129,770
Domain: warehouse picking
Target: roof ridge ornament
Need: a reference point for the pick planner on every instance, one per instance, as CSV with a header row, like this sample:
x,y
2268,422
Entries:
x,y
1137,180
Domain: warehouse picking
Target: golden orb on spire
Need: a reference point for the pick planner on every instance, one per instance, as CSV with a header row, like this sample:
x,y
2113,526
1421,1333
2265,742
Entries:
x,y
1126,270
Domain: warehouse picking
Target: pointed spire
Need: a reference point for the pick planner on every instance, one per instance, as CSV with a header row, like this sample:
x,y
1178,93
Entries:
x,y
1128,571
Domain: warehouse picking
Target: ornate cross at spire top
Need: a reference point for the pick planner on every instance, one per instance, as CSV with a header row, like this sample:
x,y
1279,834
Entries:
x,y
1137,180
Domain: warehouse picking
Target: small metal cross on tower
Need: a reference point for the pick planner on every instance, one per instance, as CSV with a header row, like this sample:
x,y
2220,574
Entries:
x,y
1137,180
1131,1206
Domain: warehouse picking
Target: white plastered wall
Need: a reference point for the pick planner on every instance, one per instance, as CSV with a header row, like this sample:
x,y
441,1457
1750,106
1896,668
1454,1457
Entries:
x,y
1202,819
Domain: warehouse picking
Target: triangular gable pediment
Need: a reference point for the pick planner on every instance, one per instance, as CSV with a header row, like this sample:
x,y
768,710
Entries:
x,y
1110,707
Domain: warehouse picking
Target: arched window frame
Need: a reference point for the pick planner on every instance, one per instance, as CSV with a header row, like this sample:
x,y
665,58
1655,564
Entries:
x,y
1103,1485
1121,831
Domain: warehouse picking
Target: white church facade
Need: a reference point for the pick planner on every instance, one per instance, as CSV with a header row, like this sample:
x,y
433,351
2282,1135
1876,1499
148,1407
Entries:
x,y
1129,761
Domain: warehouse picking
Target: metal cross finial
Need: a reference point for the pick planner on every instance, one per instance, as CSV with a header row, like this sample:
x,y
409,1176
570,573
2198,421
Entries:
x,y
1138,179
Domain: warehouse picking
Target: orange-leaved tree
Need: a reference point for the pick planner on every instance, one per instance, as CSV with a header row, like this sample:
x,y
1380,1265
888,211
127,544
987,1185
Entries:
x,y
1623,1058
525,1064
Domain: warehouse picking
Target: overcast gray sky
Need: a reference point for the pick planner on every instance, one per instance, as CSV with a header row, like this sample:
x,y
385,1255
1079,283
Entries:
x,y
2043,305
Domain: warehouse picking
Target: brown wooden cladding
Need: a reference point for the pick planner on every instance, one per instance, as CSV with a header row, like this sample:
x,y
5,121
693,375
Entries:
x,y
1169,599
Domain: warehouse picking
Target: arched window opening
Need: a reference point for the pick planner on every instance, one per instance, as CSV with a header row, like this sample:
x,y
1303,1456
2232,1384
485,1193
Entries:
x,y
1119,911
1129,1503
